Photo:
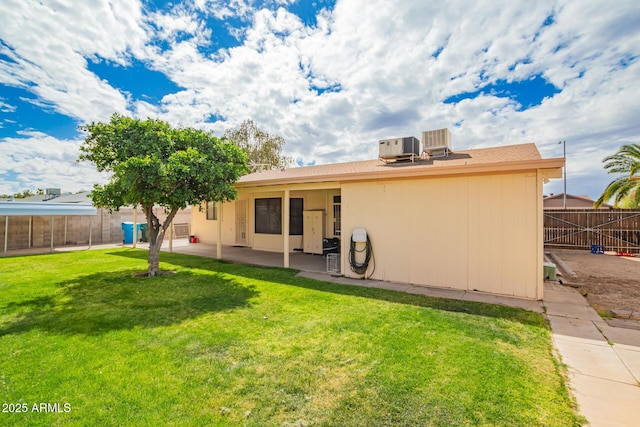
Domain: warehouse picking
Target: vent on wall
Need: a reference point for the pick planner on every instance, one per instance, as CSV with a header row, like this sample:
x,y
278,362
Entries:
x,y
437,143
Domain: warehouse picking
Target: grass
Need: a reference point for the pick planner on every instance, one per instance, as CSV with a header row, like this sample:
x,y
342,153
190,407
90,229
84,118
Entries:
x,y
225,344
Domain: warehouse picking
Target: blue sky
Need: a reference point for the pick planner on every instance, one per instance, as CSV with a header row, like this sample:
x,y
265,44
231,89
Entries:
x,y
330,77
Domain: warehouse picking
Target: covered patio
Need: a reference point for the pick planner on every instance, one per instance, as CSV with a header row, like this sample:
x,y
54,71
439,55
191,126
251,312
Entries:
x,y
44,209
246,255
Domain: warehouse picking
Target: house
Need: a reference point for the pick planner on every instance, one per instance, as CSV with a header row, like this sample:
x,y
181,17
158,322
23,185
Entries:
x,y
470,220
556,201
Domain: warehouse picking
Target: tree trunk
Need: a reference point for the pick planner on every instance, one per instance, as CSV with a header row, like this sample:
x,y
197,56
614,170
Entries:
x,y
156,232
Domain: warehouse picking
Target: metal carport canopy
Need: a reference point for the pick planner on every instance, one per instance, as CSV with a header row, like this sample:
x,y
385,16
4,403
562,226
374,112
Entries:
x,y
8,209
45,209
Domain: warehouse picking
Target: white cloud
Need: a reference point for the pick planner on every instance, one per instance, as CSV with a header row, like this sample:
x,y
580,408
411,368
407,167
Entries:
x,y
41,161
47,44
385,67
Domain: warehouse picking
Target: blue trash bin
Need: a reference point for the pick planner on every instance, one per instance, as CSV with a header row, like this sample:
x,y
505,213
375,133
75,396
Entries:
x,y
127,227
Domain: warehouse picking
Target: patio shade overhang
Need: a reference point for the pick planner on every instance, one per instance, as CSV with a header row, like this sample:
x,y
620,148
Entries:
x,y
45,209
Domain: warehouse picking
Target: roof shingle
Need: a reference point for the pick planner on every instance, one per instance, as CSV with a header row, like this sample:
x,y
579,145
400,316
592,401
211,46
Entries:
x,y
467,161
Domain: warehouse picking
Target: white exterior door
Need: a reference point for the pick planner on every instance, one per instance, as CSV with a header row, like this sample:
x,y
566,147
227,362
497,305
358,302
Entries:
x,y
241,222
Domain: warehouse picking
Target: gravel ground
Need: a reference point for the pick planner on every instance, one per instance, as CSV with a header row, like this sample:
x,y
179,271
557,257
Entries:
x,y
608,281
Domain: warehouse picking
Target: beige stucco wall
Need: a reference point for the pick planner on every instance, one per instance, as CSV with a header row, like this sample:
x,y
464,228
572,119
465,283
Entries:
x,y
314,199
481,232
470,233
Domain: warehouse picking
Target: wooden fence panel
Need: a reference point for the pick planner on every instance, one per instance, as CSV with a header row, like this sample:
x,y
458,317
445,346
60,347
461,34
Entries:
x,y
616,229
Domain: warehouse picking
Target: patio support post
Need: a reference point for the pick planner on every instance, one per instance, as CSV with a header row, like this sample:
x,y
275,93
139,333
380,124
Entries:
x,y
52,228
135,225
285,232
219,231
6,233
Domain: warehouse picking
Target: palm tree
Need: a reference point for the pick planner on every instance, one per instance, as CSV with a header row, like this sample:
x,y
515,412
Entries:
x,y
626,161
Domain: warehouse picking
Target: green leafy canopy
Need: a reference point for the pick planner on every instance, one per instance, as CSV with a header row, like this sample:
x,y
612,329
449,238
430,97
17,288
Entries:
x,y
625,189
263,149
153,163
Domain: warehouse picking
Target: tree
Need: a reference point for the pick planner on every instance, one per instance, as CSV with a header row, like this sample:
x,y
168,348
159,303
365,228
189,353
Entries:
x,y
264,150
627,162
153,164
629,202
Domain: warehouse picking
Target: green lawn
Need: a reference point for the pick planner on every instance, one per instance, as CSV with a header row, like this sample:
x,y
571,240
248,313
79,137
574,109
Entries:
x,y
225,344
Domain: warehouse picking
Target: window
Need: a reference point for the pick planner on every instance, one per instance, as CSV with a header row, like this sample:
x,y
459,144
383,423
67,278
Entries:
x,y
336,215
212,211
296,206
268,216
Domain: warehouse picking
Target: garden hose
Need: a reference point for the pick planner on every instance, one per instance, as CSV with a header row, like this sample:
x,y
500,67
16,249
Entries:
x,y
361,268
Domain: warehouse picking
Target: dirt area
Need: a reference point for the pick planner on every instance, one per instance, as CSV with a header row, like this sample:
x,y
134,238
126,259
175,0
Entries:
x,y
608,281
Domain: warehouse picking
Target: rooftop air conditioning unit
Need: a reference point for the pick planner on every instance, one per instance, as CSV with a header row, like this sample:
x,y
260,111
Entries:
x,y
437,142
399,147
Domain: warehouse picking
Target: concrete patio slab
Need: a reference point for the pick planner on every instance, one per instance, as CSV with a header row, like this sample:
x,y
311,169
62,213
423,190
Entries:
x,y
624,323
606,403
593,358
531,305
602,377
621,335
562,295
631,357
577,329
565,309
435,292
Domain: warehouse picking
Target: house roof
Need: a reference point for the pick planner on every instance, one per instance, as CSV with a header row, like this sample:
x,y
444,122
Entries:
x,y
496,159
555,201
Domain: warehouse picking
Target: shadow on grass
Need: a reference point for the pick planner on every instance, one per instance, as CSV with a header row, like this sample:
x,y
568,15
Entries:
x,y
107,301
288,277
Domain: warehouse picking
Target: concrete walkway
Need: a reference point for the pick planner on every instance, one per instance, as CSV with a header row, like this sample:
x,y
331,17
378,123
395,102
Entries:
x,y
603,361
602,358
